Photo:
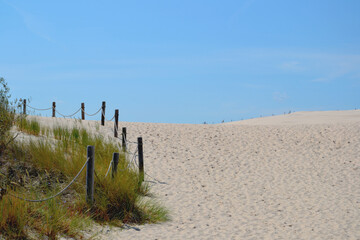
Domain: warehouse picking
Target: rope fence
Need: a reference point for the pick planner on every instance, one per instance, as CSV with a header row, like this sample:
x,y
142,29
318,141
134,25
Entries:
x,y
90,172
71,115
126,146
39,109
81,109
109,120
134,155
63,190
110,165
90,115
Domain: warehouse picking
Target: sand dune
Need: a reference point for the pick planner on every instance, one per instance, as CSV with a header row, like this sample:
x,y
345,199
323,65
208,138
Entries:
x,y
300,118
294,176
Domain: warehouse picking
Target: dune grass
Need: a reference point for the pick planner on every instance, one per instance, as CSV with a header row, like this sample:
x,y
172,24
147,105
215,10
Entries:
x,y
29,126
48,164
20,219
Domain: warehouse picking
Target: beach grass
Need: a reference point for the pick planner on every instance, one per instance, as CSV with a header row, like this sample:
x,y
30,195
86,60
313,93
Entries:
x,y
29,126
51,161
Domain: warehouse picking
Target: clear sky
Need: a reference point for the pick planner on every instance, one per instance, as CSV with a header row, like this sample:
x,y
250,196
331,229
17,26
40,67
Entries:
x,y
186,61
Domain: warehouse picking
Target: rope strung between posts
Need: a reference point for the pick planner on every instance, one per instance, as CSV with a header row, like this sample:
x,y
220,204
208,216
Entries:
x,y
154,179
45,199
133,158
129,153
45,109
127,141
102,113
39,109
160,182
127,167
63,115
68,115
90,115
111,118
111,163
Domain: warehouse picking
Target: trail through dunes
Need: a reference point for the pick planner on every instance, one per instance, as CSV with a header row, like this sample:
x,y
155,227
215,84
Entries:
x,y
295,176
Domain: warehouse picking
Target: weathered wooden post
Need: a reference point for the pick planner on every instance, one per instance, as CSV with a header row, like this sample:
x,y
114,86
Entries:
x,y
116,123
53,109
90,174
141,160
24,107
103,113
124,138
82,111
115,163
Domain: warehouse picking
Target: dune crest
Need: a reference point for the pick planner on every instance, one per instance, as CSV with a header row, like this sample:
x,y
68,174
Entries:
x,y
300,118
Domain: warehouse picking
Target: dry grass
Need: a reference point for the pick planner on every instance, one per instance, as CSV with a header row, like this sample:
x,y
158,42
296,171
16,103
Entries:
x,y
47,165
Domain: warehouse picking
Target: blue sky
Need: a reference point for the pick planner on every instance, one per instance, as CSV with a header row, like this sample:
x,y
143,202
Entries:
x,y
183,61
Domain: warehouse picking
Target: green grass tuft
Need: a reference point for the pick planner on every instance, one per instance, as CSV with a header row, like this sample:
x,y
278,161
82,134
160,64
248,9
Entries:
x,y
29,126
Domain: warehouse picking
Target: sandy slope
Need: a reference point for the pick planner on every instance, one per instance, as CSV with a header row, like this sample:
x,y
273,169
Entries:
x,y
295,176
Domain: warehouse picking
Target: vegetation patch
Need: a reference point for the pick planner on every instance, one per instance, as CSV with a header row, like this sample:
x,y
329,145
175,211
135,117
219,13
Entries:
x,y
29,126
41,168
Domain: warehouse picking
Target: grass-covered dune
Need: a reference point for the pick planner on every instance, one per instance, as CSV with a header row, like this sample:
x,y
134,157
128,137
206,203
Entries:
x,y
37,162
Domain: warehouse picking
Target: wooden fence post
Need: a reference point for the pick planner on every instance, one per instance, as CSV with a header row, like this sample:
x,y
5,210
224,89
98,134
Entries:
x,y
90,174
24,105
82,111
116,123
124,138
53,109
141,159
115,163
103,113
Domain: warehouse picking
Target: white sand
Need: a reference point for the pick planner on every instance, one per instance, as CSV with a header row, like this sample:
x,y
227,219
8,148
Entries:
x,y
295,176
